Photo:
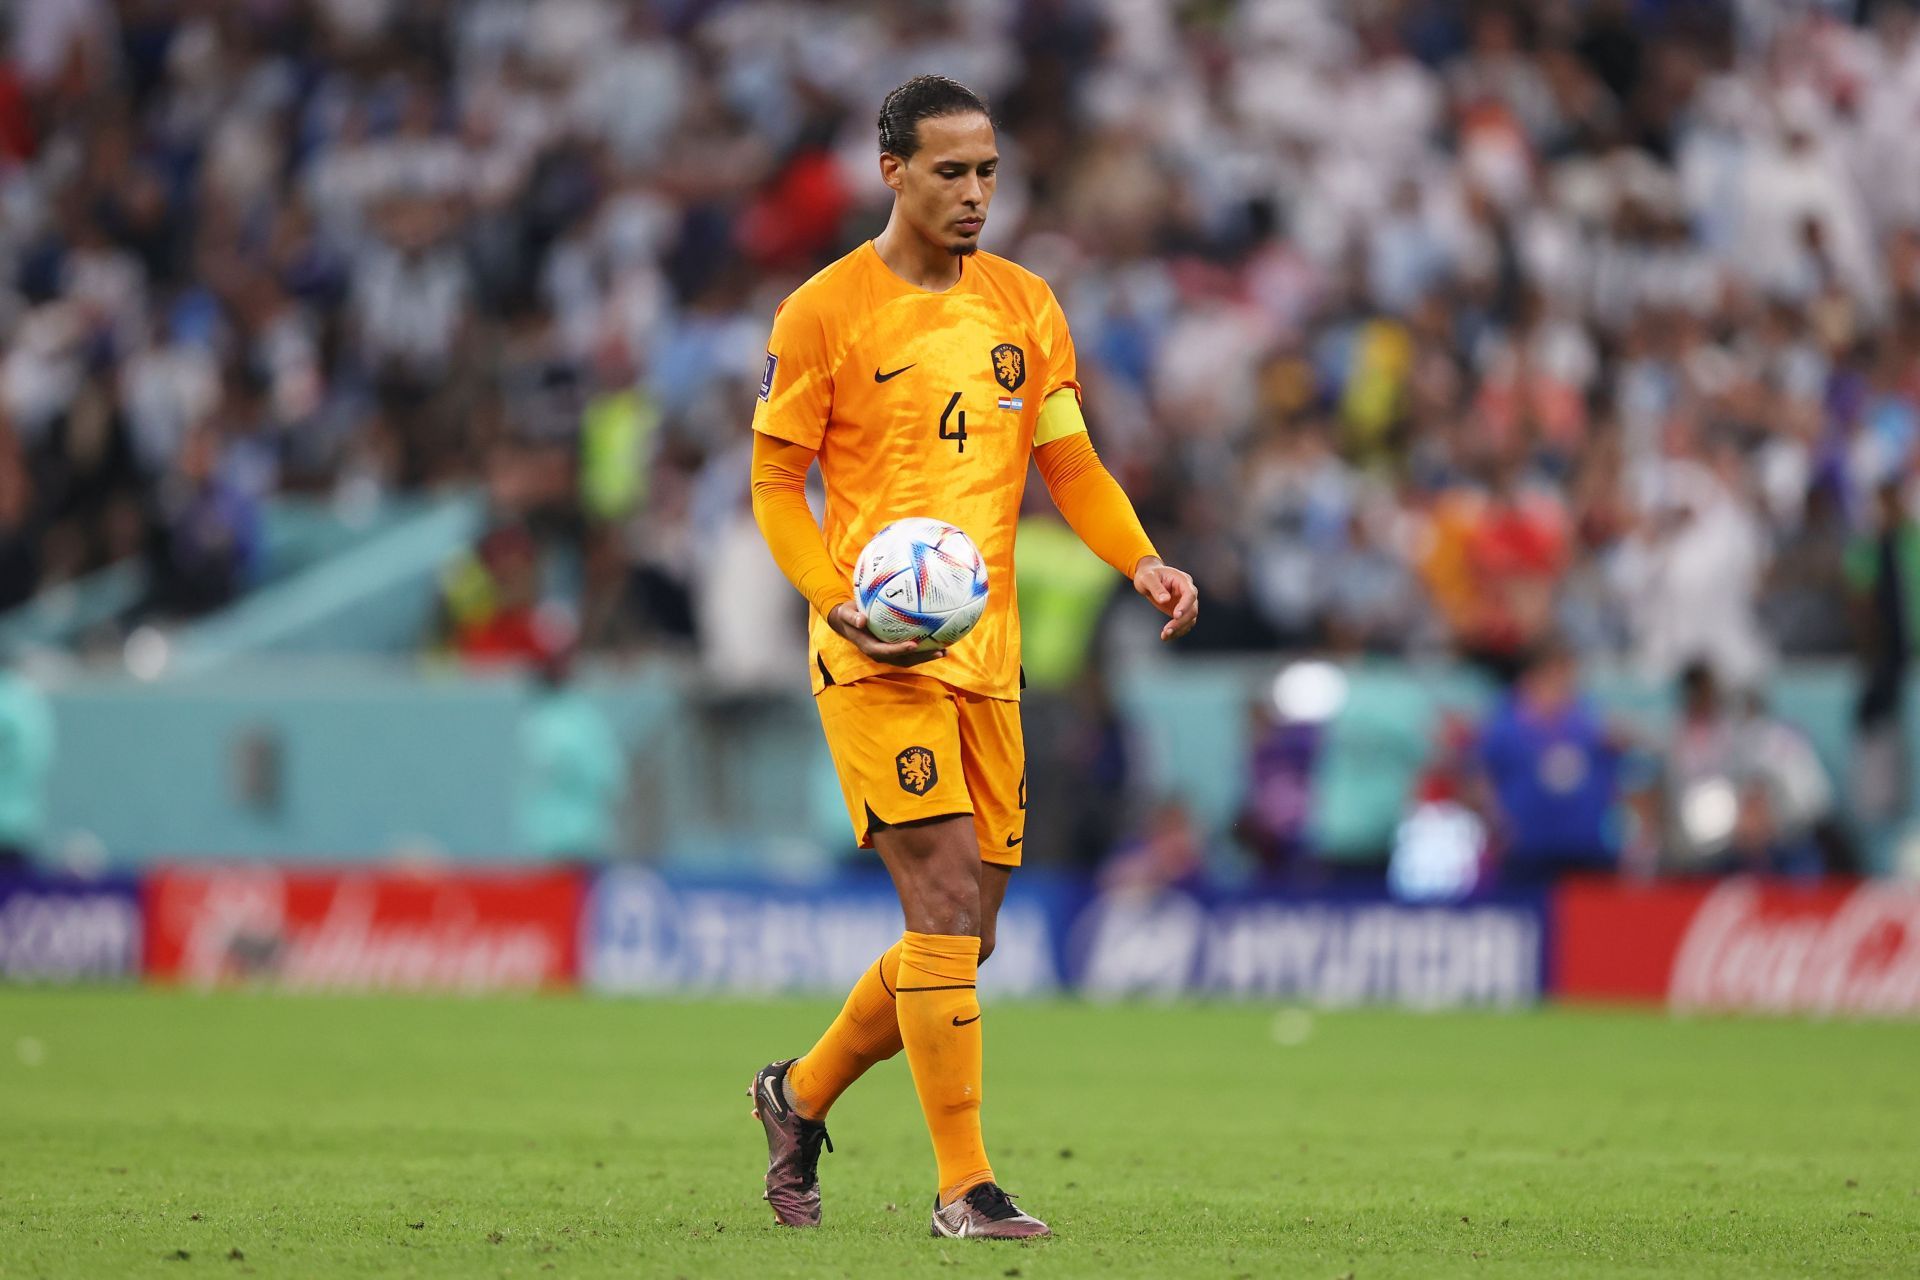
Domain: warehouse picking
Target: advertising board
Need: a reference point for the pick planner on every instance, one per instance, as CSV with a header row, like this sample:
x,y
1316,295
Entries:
x,y
68,929
649,933
364,929
1742,945
1324,950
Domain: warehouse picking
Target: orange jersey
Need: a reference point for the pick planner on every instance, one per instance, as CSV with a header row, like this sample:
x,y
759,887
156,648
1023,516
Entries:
x,y
919,404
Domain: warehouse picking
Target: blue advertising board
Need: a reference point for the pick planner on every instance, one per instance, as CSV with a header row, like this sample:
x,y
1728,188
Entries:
x,y
68,929
646,933
652,933
1327,950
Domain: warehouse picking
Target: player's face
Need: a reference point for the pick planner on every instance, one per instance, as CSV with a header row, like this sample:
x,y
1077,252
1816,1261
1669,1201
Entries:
x,y
944,190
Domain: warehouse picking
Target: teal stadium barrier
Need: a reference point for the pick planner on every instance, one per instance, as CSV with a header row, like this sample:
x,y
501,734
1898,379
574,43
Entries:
x,y
329,758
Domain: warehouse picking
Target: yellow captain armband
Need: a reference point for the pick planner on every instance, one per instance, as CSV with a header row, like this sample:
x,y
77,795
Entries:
x,y
1060,417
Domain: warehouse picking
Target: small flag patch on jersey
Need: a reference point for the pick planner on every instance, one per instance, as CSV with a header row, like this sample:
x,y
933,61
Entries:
x,y
766,375
1014,403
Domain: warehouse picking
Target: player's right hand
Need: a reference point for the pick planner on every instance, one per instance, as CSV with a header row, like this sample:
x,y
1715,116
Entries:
x,y
848,620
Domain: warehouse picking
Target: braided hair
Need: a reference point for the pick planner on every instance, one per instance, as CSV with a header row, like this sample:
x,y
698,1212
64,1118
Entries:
x,y
922,98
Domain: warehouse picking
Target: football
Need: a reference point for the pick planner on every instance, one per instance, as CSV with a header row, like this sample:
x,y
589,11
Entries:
x,y
921,579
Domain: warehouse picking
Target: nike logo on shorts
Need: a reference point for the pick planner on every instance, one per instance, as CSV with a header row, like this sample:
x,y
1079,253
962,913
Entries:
x,y
888,377
1015,841
961,1022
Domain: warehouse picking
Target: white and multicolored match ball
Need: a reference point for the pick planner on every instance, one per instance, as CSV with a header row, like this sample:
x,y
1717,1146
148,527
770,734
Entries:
x,y
921,579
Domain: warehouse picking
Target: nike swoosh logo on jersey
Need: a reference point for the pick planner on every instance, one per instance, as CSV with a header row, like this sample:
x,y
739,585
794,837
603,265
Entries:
x,y
887,377
1015,841
961,1022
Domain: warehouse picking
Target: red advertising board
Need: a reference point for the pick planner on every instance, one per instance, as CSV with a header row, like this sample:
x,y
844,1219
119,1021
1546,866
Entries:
x,y
1741,945
438,929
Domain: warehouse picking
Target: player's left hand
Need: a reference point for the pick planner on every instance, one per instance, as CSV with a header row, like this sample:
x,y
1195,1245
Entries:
x,y
1172,592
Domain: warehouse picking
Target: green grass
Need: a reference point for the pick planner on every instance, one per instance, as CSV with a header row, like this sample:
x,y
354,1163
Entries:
x,y
571,1137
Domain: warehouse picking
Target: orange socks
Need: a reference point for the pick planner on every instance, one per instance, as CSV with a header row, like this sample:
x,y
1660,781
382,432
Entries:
x,y
920,993
867,1031
939,1016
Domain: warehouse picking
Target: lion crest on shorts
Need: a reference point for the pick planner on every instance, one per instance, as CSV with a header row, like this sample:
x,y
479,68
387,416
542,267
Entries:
x,y
1009,366
917,770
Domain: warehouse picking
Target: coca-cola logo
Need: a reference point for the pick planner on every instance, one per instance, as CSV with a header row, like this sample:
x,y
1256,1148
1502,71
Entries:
x,y
1753,949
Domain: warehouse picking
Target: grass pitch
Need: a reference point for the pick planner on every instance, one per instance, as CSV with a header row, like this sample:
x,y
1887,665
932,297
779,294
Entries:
x,y
173,1135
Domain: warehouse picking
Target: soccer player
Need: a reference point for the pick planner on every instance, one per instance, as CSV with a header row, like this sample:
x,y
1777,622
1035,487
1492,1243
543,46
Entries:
x,y
922,375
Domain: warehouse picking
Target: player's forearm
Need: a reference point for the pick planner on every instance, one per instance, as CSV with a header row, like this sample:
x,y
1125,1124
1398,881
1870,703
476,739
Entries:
x,y
780,509
1094,504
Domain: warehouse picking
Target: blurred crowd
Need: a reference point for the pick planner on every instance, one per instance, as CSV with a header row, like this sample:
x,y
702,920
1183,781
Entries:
x,y
1411,325
1414,326
1538,781
1546,785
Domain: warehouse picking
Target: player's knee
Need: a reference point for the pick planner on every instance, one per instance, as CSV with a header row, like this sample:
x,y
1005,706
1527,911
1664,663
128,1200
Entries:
x,y
953,904
937,868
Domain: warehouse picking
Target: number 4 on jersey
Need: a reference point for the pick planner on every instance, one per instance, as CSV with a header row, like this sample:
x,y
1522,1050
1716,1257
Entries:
x,y
959,420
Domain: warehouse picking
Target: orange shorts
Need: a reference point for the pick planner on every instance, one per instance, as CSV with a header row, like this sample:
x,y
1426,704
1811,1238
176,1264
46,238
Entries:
x,y
908,747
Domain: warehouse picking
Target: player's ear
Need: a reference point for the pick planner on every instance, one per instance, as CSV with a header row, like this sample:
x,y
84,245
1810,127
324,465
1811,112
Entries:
x,y
892,170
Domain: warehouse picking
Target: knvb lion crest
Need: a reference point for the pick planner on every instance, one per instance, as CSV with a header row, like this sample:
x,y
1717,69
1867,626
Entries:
x,y
918,772
1009,366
